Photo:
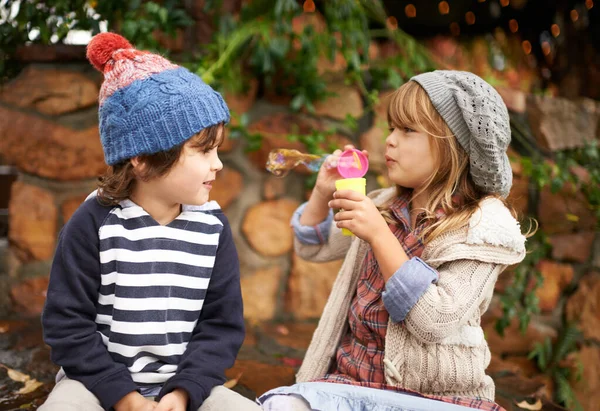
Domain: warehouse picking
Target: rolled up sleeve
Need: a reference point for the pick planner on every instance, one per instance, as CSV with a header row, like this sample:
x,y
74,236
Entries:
x,y
406,286
311,235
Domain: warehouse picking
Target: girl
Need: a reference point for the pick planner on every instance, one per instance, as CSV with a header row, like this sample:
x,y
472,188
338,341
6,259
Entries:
x,y
404,312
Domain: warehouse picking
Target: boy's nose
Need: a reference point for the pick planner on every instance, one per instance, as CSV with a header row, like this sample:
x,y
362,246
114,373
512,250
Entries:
x,y
217,165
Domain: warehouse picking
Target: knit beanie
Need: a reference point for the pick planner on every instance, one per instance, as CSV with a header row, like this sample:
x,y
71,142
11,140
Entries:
x,y
478,118
147,103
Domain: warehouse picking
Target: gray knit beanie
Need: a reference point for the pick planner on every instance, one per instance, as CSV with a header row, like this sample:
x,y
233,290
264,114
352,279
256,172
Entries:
x,y
478,117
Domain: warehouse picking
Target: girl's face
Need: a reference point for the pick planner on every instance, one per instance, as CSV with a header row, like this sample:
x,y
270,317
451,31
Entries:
x,y
409,157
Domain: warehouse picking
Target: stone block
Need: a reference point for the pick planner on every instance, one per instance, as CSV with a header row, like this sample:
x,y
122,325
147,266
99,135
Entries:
x,y
47,149
33,222
267,226
259,292
309,286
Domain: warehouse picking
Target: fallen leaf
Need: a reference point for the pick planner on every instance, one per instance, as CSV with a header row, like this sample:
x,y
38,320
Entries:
x,y
527,406
233,382
30,386
283,330
16,375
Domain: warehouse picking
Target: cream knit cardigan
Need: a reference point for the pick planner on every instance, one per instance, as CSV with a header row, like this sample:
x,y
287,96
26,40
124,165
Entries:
x,y
441,348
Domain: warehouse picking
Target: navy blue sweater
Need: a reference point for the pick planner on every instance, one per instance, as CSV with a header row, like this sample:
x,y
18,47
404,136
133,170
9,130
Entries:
x,y
136,305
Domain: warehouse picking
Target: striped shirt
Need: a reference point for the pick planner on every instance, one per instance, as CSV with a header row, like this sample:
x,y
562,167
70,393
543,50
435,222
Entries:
x,y
146,300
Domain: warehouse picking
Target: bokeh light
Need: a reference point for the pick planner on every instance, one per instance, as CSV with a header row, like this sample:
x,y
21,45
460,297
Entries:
x,y
444,7
470,18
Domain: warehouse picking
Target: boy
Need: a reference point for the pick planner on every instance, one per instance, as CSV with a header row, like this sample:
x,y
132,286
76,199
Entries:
x,y
144,296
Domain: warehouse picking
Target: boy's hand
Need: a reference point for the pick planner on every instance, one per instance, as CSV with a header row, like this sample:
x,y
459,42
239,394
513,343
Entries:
x,y
176,400
358,214
134,401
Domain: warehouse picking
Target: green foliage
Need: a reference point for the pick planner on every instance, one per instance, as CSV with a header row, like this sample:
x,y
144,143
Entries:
x,y
552,360
278,42
519,298
137,20
562,169
240,131
52,21
49,22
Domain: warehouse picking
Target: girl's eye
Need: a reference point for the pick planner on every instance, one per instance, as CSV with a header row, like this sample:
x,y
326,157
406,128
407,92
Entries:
x,y
408,130
391,129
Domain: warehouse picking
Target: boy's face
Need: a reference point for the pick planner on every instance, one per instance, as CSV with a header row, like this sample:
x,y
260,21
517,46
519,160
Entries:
x,y
190,180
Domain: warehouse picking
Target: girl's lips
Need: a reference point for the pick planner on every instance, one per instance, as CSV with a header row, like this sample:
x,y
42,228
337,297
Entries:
x,y
208,184
389,160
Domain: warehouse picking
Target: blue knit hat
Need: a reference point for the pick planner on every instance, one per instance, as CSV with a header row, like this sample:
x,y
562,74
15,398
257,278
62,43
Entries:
x,y
147,103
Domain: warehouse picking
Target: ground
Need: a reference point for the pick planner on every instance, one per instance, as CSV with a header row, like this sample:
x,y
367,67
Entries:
x,y
269,358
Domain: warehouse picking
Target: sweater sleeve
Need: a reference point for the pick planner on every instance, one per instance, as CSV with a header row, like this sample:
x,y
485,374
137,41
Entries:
x,y
449,304
317,234
69,314
405,287
219,333
332,246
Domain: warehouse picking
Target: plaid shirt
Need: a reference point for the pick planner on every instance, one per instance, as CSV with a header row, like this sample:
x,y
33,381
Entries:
x,y
359,358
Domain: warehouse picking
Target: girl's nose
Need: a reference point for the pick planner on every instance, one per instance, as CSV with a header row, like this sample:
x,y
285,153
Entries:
x,y
390,140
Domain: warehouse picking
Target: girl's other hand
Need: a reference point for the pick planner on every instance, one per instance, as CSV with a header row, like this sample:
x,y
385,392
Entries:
x,y
328,174
358,214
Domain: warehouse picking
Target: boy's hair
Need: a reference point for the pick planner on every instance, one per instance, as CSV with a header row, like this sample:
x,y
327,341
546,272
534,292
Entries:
x,y
410,106
147,104
118,182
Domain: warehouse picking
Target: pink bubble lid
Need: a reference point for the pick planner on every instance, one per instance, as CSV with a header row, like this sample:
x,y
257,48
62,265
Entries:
x,y
352,164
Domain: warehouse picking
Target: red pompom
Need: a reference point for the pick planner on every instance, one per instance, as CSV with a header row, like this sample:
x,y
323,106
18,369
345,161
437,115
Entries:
x,y
102,46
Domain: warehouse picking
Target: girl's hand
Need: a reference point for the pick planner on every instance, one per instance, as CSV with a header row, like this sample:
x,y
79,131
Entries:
x,y
174,401
328,174
358,214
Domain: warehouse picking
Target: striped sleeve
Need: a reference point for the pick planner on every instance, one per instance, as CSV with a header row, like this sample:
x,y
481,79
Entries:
x,y
70,310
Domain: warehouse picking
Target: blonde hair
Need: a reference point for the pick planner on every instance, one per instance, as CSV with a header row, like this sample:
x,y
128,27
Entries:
x,y
410,106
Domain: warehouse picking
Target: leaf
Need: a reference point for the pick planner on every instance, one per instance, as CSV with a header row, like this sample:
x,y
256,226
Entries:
x,y
16,375
527,406
30,386
572,217
233,382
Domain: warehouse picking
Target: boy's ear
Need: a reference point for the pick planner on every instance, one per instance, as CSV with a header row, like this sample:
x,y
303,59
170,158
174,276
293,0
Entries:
x,y
139,167
135,162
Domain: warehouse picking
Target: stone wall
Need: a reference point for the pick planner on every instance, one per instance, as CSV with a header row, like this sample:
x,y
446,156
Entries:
x,y
48,130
